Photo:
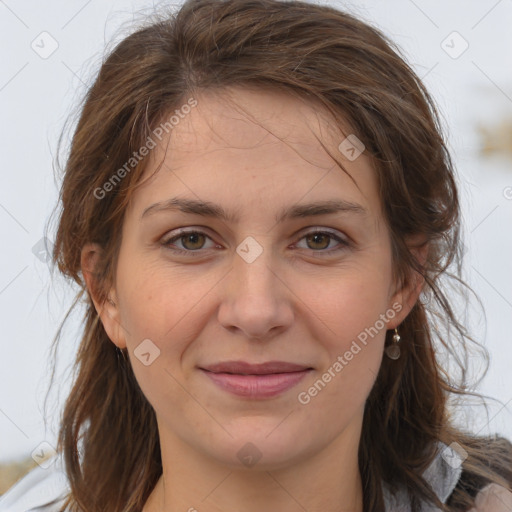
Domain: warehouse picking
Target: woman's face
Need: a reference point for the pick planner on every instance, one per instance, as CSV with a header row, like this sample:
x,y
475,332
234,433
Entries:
x,y
257,286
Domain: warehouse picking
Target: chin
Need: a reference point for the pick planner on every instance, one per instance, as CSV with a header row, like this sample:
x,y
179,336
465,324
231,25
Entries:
x,y
262,445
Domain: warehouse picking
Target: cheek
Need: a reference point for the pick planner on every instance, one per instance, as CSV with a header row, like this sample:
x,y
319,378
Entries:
x,y
157,300
345,304
347,314
170,309
352,334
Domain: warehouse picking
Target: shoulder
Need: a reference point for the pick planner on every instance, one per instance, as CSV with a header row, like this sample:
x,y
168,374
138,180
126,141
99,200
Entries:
x,y
41,490
442,475
493,498
494,454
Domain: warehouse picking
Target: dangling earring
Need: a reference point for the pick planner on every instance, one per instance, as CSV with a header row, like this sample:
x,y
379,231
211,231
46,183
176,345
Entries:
x,y
393,351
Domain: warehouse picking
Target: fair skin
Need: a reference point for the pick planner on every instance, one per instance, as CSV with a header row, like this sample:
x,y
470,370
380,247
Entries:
x,y
301,301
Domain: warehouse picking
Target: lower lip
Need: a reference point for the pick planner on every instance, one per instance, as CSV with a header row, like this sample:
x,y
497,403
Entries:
x,y
257,386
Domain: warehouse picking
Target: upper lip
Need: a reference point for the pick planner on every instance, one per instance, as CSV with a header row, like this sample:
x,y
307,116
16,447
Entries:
x,y
242,367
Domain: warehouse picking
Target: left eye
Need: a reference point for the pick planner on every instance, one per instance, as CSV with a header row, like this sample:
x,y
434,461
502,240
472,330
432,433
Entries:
x,y
320,237
193,241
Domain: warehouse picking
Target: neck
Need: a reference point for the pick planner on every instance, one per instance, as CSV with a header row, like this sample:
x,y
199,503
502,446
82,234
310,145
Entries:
x,y
328,481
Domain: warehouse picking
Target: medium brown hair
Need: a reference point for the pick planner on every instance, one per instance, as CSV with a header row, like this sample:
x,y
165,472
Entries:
x,y
109,436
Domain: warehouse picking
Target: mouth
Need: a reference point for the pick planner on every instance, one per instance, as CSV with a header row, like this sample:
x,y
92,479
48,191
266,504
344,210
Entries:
x,y
256,381
244,368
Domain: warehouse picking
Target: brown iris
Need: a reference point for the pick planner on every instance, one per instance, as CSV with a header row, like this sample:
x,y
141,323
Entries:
x,y
316,236
193,239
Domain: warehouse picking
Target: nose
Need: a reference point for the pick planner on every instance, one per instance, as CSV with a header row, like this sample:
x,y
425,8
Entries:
x,y
256,300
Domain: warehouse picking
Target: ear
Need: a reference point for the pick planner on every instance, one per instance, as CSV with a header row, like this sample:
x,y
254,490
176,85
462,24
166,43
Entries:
x,y
106,304
408,294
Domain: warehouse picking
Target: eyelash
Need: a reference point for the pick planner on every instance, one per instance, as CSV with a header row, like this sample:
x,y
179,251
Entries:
x,y
166,242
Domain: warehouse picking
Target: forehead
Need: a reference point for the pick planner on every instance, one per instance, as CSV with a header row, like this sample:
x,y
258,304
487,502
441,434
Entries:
x,y
253,120
264,143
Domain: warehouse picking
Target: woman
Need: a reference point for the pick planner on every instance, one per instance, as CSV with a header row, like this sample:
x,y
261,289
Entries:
x,y
260,208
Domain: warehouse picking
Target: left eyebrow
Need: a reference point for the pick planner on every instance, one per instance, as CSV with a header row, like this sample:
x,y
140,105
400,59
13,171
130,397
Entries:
x,y
208,209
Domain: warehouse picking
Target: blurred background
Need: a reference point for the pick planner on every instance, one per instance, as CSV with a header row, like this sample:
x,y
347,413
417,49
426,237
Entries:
x,y
50,52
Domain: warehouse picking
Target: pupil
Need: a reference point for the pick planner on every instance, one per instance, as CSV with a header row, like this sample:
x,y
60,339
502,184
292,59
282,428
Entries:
x,y
192,237
320,235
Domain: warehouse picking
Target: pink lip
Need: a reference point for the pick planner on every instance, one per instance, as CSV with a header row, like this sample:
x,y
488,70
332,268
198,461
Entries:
x,y
256,380
255,369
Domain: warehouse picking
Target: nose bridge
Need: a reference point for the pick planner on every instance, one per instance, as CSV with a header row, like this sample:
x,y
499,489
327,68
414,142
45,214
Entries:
x,y
253,267
255,300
